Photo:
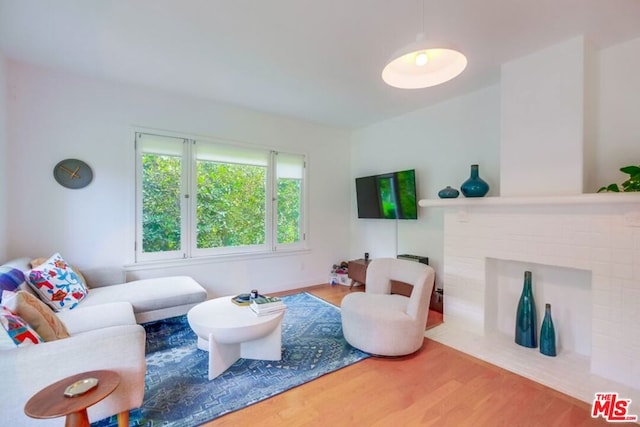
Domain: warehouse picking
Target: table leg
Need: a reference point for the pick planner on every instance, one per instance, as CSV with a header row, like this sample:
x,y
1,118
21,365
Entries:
x,y
268,347
77,419
123,419
221,356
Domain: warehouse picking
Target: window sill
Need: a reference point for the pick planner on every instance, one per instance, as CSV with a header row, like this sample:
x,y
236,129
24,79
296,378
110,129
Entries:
x,y
214,259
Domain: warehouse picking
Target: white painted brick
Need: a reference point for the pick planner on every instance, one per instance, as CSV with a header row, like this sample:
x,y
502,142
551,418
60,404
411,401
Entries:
x,y
622,240
601,222
621,271
601,240
581,238
596,239
601,312
601,254
600,282
622,256
636,238
580,223
579,263
582,253
601,268
615,316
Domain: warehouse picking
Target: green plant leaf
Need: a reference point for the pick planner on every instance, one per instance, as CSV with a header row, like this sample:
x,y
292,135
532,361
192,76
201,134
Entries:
x,y
612,188
632,184
631,170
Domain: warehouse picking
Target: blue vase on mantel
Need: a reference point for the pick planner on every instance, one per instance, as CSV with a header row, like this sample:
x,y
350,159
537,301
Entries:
x,y
547,334
448,193
526,324
474,186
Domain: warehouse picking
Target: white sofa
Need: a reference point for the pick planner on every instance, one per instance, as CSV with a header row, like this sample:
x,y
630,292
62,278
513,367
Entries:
x,y
104,334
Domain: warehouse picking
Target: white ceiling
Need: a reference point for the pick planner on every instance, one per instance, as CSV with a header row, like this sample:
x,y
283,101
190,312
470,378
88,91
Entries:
x,y
313,60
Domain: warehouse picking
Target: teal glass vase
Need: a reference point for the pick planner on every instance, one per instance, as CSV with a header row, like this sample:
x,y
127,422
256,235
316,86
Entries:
x,y
448,193
547,334
474,186
526,324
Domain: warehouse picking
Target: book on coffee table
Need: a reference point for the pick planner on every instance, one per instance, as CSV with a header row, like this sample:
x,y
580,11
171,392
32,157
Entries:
x,y
242,299
267,305
259,311
264,301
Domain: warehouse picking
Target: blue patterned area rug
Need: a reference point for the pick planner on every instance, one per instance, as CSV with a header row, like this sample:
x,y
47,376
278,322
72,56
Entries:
x,y
178,393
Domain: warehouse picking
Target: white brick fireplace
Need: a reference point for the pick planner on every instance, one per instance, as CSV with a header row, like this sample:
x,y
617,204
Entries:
x,y
584,252
583,249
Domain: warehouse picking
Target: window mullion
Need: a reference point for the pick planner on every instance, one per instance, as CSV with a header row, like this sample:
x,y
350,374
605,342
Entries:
x,y
138,202
189,197
271,222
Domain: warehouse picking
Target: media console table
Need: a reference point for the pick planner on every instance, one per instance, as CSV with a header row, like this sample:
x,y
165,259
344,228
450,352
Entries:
x,y
357,271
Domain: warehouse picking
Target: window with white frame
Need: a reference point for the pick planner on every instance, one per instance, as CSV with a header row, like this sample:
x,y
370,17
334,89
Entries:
x,y
203,198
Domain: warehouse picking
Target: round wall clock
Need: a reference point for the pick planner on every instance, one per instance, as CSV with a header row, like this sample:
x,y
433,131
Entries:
x,y
73,173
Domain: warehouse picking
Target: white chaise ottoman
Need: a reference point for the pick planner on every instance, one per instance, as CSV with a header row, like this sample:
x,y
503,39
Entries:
x,y
151,299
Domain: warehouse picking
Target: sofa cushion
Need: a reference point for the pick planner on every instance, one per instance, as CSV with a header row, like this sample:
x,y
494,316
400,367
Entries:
x,y
10,279
150,294
38,315
57,283
17,329
83,319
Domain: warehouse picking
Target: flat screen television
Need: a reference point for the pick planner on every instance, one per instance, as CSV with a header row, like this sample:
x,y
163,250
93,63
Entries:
x,y
388,196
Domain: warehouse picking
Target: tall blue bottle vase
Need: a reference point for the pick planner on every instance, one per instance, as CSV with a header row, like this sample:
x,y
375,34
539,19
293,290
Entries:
x,y
526,324
474,186
547,334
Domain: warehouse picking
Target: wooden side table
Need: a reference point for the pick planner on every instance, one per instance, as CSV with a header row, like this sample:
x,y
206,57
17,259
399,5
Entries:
x,y
50,402
357,271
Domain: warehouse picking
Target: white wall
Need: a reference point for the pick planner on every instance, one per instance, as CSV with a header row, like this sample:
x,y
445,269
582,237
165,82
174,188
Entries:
x,y
54,115
618,124
543,114
4,199
440,142
57,115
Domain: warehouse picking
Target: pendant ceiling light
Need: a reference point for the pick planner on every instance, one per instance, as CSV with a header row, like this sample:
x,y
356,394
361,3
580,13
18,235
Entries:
x,y
419,65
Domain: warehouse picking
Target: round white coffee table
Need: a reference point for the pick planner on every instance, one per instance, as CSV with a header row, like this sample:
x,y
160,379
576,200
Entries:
x,y
229,331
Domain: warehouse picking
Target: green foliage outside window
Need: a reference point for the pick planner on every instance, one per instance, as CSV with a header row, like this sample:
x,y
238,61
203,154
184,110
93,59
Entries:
x,y
231,205
160,203
289,194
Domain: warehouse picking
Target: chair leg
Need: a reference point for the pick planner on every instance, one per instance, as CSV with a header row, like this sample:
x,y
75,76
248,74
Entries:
x,y
123,419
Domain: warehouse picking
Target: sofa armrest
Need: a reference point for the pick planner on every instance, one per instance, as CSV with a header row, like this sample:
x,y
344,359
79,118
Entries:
x,y
26,370
103,276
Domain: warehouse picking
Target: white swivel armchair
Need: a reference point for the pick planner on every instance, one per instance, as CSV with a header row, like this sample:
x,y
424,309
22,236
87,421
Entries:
x,y
383,324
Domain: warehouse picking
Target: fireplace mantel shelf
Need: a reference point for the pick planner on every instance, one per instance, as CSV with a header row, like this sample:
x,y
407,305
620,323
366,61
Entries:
x,y
577,199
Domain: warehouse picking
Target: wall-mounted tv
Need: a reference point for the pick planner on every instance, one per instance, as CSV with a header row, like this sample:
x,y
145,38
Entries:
x,y
389,195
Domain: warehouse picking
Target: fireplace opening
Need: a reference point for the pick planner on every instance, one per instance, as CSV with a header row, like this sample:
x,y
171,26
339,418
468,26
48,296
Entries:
x,y
568,290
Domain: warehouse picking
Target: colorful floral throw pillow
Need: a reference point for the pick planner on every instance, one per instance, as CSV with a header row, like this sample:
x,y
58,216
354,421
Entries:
x,y
18,331
57,283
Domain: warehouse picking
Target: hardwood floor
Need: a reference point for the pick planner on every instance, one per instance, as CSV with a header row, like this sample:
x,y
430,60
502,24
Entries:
x,y
437,386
